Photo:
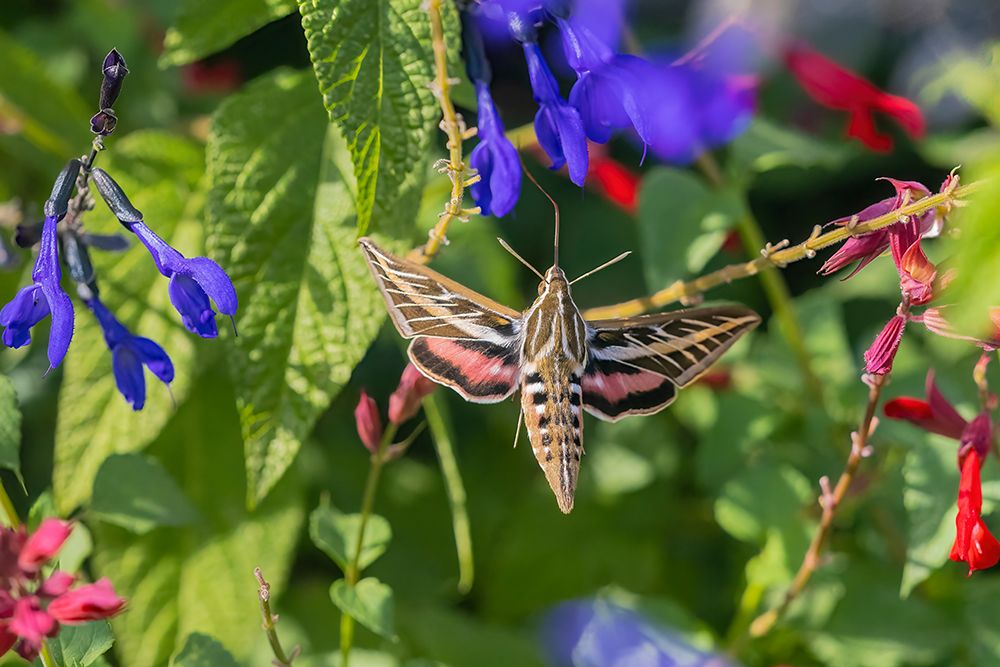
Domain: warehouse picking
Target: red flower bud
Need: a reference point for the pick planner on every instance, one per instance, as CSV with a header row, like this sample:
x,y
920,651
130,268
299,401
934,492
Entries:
x,y
86,603
405,401
879,357
368,422
43,544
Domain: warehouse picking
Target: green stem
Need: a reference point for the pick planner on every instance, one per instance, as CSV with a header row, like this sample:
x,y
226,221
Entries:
x,y
46,656
8,507
353,568
776,290
437,422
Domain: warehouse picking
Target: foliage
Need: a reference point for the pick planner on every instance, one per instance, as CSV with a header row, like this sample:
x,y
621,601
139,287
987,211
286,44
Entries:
x,y
696,518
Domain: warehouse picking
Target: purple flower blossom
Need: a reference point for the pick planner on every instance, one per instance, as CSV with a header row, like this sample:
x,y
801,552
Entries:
x,y
128,355
598,633
31,304
495,159
558,125
879,357
193,282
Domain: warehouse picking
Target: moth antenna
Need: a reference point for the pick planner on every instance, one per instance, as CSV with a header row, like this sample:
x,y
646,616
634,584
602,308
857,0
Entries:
x,y
520,259
603,266
555,206
517,433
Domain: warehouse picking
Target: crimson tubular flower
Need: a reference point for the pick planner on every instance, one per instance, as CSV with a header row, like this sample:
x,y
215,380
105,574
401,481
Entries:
x,y
974,544
837,87
31,607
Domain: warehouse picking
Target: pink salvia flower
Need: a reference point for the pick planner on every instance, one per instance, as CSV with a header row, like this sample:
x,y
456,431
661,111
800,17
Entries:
x,y
86,603
58,583
405,401
368,422
32,624
879,357
43,544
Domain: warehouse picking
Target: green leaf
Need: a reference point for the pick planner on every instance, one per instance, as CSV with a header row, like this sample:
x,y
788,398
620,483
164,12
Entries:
x,y
369,603
375,68
682,223
762,497
159,173
81,645
930,479
337,535
10,428
136,493
282,222
203,28
456,637
199,577
57,127
766,146
203,651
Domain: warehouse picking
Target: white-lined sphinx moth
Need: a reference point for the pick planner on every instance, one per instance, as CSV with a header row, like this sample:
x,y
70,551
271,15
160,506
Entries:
x,y
560,362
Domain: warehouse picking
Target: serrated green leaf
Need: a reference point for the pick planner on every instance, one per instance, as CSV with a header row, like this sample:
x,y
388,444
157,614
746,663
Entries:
x,y
136,493
930,479
282,222
369,603
10,428
337,535
201,650
682,223
203,28
81,645
199,578
766,146
160,174
374,64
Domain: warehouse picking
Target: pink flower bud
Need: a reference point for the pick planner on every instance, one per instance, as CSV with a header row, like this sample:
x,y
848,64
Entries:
x,y
405,401
31,623
368,422
57,584
86,603
878,357
43,544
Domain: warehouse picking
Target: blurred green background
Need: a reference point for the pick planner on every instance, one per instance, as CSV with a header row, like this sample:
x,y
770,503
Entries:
x,y
698,516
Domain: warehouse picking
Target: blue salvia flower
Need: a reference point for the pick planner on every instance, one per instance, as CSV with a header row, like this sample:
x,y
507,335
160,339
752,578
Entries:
x,y
558,125
194,282
494,158
31,304
129,353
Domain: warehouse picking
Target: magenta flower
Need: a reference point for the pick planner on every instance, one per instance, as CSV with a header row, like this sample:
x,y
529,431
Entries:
x,y
879,357
368,422
43,544
405,401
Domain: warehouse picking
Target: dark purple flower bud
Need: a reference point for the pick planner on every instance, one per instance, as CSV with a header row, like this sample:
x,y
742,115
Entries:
x,y
77,258
495,159
115,198
58,201
106,242
879,357
558,126
477,66
115,72
31,304
103,122
129,353
27,235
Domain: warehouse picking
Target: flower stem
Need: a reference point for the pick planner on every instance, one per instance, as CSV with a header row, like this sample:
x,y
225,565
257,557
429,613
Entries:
x,y
454,127
777,255
46,656
353,572
437,423
830,501
281,659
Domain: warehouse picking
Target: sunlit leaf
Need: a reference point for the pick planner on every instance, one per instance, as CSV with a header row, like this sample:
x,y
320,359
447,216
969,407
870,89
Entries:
x,y
337,535
369,602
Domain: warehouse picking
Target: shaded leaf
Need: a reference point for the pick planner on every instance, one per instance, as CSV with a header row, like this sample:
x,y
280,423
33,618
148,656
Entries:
x,y
337,535
136,493
203,28
369,603
766,146
160,174
374,64
201,650
10,428
81,645
282,223
760,498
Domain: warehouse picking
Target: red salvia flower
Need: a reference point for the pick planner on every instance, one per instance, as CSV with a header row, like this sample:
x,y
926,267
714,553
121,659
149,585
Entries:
x,y
618,183
837,87
974,544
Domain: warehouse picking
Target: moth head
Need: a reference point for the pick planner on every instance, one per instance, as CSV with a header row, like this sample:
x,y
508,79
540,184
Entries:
x,y
553,275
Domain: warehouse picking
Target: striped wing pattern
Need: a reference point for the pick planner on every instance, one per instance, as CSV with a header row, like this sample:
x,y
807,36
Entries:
x,y
462,339
635,366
